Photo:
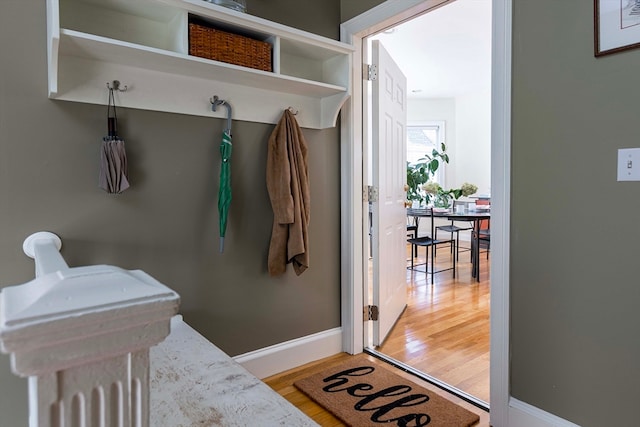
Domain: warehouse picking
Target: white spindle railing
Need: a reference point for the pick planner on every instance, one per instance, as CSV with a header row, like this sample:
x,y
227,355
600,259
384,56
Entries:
x,y
82,336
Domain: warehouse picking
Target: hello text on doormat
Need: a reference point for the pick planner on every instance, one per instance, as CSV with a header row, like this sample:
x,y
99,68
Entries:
x,y
363,392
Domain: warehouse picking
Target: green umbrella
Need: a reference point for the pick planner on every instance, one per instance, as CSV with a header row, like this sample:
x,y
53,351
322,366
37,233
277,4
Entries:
x,y
224,192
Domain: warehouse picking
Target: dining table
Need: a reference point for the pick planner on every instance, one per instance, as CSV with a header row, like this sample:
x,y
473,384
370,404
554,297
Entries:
x,y
476,216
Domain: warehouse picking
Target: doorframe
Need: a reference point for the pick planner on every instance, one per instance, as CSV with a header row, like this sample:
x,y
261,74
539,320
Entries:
x,y
353,226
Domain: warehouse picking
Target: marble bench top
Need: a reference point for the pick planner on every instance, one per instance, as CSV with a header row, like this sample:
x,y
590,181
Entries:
x,y
194,383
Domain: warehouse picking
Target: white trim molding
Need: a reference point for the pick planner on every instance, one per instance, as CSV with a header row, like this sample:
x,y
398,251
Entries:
x,y
291,354
523,414
500,210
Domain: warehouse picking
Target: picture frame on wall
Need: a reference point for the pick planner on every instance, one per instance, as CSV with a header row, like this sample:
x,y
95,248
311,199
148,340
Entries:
x,y
617,26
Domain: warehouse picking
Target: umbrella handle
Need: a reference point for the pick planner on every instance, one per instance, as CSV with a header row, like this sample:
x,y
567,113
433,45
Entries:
x,y
214,104
112,127
112,122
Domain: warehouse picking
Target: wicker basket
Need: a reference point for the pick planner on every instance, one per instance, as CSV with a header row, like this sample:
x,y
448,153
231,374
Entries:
x,y
211,43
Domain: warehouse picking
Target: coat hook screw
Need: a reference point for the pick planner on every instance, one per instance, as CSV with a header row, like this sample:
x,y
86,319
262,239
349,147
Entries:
x,y
115,85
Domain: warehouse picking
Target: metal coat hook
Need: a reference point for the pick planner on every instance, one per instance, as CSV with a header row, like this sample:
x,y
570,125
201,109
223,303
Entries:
x,y
294,112
115,85
215,101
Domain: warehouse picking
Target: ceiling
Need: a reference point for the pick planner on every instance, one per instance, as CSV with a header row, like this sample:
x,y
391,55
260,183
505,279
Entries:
x,y
444,53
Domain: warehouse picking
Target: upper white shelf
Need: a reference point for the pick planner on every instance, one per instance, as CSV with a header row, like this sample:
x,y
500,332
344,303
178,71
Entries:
x,y
144,45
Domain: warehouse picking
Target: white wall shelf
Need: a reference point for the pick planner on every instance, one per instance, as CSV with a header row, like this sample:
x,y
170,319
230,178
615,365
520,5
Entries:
x,y
144,45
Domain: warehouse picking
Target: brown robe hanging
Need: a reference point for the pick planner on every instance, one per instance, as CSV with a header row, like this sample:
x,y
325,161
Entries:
x,y
288,186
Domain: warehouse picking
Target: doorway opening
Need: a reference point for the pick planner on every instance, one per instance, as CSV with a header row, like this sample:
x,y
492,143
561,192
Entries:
x,y
468,144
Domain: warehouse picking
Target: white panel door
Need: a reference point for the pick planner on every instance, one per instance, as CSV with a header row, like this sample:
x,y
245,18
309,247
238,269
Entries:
x,y
389,112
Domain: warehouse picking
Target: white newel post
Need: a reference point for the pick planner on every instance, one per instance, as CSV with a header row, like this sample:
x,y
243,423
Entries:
x,y
82,336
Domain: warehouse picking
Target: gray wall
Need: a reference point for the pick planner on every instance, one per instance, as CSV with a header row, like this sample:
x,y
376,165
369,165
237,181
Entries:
x,y
574,234
350,9
166,224
319,17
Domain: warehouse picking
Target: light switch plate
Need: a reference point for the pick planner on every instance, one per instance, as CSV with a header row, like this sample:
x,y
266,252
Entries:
x,y
629,164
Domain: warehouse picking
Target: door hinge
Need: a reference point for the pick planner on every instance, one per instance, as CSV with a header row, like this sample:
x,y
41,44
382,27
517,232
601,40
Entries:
x,y
370,72
371,194
370,312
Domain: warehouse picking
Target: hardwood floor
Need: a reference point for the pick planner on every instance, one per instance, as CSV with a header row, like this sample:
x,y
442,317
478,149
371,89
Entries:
x,y
443,332
283,384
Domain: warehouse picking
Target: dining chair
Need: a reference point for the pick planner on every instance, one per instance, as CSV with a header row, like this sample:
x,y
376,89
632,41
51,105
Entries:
x,y
412,231
484,234
481,238
431,242
453,228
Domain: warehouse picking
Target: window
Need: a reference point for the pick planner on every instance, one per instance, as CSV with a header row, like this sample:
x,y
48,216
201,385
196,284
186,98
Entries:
x,y
421,140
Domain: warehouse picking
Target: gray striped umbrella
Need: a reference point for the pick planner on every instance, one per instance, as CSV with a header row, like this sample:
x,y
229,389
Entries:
x,y
113,158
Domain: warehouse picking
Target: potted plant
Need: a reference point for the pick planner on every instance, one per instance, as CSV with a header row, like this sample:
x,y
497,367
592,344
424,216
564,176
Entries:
x,y
421,188
421,172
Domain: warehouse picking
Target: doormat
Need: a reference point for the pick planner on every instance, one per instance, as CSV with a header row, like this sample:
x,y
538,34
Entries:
x,y
363,393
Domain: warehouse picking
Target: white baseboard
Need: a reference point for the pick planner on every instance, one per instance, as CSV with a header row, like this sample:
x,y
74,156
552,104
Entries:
x,y
524,415
290,354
